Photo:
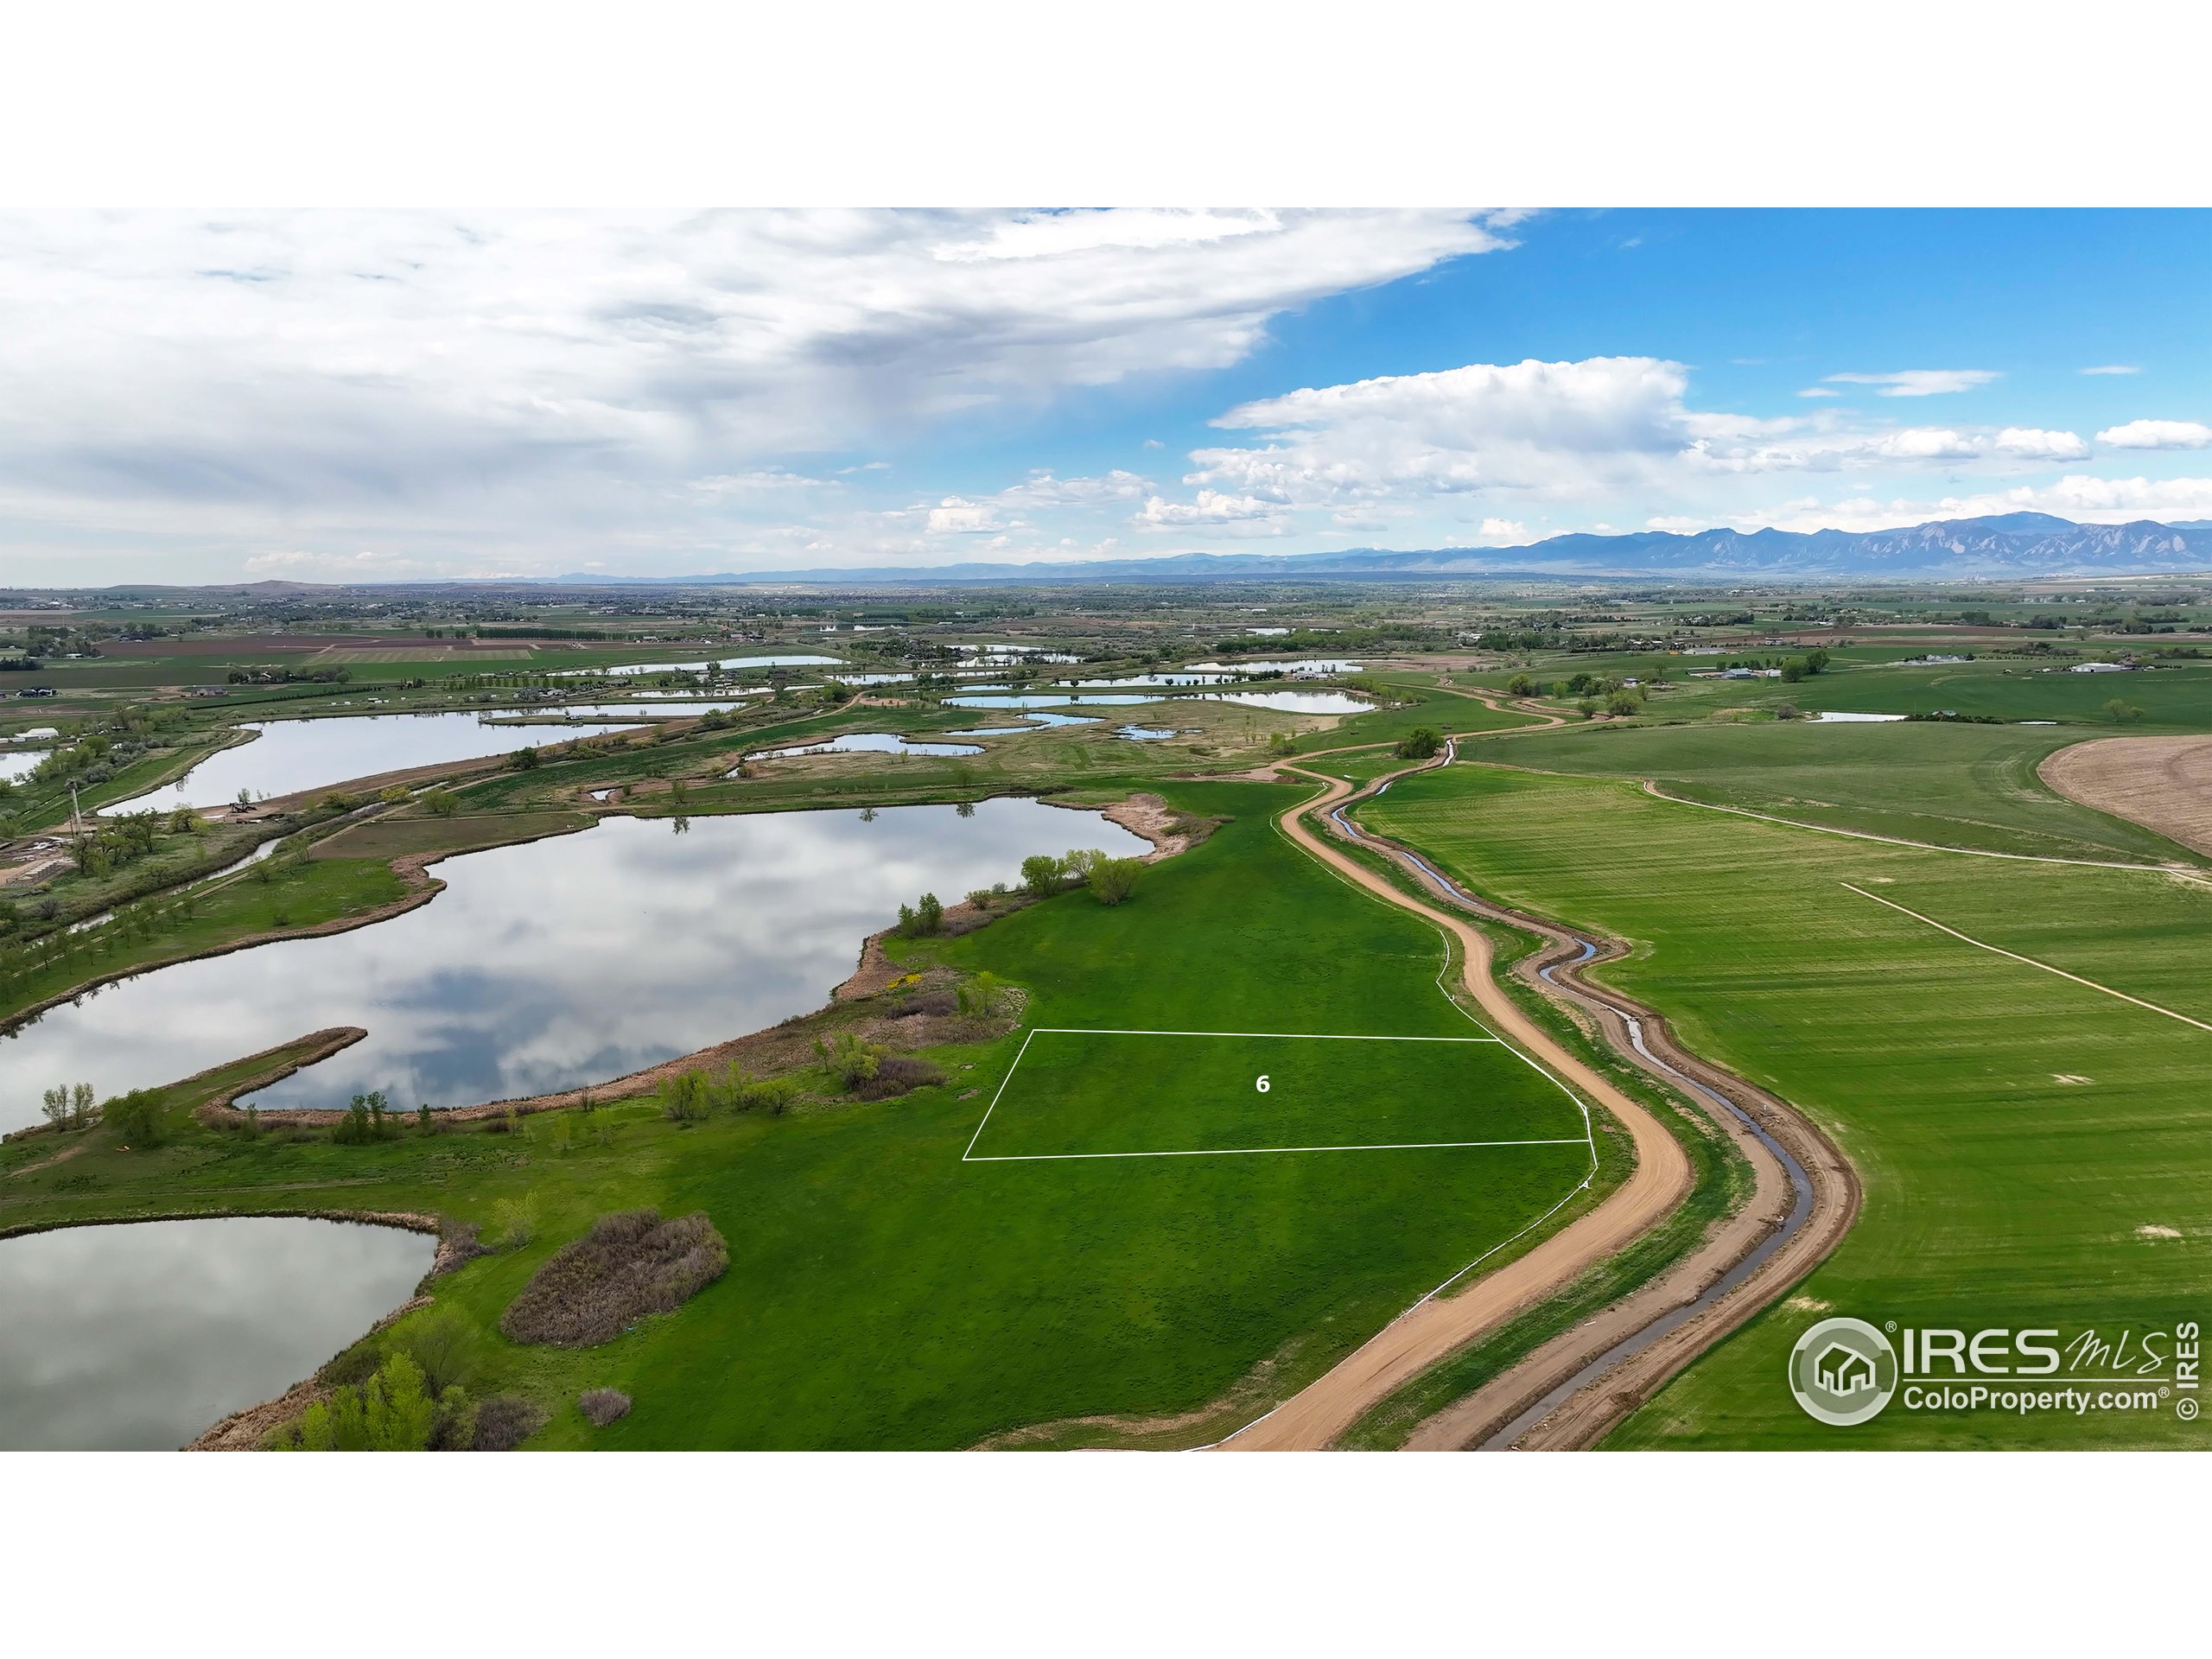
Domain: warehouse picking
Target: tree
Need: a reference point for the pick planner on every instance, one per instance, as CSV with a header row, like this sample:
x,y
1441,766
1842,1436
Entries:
x,y
1623,701
926,918
443,802
524,759
56,1106
1588,707
1521,685
136,1118
850,1059
1042,875
2121,713
1113,880
1418,744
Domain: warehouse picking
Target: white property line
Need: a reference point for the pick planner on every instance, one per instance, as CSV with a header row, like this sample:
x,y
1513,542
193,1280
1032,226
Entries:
x,y
2031,961
2179,872
969,1156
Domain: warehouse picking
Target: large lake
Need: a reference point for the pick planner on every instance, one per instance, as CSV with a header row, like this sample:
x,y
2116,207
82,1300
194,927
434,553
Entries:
x,y
291,755
139,1338
553,964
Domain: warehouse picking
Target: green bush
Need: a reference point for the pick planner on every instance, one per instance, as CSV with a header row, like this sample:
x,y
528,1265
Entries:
x,y
1419,744
1112,880
137,1117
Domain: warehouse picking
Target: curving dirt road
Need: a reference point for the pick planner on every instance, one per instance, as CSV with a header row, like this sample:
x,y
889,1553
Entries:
x,y
1435,1326
1570,1391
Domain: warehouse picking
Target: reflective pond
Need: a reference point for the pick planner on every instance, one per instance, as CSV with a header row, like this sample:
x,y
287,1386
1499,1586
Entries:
x,y
20,762
727,664
292,755
870,743
553,964
139,1338
1291,702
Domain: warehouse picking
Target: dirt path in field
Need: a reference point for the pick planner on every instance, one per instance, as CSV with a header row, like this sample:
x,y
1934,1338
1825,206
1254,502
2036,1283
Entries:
x,y
2162,783
1434,1327
1573,1389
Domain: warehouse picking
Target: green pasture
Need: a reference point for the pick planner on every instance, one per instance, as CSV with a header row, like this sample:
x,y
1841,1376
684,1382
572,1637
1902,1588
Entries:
x,y
1954,785
1143,1094
2035,1153
883,1293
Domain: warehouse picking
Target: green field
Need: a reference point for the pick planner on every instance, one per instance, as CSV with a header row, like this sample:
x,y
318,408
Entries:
x,y
1109,1093
1956,785
2036,1153
883,1293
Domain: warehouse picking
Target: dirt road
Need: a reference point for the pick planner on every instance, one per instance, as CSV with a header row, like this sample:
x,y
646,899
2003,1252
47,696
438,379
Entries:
x,y
1570,1391
1435,1327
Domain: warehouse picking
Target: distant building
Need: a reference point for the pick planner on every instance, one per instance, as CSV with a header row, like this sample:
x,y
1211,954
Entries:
x,y
2101,668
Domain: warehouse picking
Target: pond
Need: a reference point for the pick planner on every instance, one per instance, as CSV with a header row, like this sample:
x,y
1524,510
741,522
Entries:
x,y
869,743
21,763
727,664
1834,717
553,964
1040,700
1303,665
292,755
1037,719
139,1338
1291,702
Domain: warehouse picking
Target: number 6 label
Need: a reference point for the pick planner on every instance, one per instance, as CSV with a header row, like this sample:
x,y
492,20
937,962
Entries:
x,y
1262,1084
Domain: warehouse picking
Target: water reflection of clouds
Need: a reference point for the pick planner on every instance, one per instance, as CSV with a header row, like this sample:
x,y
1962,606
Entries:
x,y
139,1337
553,964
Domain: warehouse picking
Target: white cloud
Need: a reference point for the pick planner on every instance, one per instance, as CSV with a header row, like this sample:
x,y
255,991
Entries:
x,y
2077,496
2114,368
956,517
2157,434
1919,382
1042,489
1211,507
537,378
2033,443
1819,391
1504,530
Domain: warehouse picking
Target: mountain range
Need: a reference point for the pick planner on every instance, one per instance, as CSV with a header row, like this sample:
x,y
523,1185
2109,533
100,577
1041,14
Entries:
x,y
2008,546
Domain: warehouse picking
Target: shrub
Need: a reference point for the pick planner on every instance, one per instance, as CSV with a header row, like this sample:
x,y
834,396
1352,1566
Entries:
x,y
136,1117
390,1412
1521,685
895,1075
1418,744
630,1264
923,1002
524,760
516,1221
503,1423
1623,701
441,803
684,1099
1785,711
441,1342
925,917
1042,875
602,1406
1114,880
393,795
850,1060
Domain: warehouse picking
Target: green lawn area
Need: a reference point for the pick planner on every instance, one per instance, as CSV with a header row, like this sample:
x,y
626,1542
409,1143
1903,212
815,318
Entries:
x,y
883,1293
1956,785
1138,1094
2035,1153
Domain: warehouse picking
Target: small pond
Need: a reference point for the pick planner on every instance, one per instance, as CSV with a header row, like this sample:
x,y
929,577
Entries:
x,y
870,743
727,664
139,1338
1291,702
289,756
1836,717
555,963
20,762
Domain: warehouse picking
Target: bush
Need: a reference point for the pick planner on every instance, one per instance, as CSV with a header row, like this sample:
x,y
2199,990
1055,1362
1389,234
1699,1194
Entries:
x,y
603,1406
443,1343
684,1099
441,803
137,1117
923,1002
1114,880
503,1423
628,1265
1785,711
925,918
524,760
1520,686
850,1060
1623,701
390,1412
1419,744
895,1075
1043,875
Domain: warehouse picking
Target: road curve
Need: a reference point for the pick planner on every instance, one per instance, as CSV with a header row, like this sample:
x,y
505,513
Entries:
x,y
1571,1390
1438,1324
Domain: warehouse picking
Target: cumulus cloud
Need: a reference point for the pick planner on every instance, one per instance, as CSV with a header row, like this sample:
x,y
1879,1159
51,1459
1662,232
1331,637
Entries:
x,y
1919,382
2157,434
1211,507
466,374
955,515
2033,443
1504,530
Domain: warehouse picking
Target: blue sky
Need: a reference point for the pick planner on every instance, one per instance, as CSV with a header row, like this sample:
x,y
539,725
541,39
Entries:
x,y
378,395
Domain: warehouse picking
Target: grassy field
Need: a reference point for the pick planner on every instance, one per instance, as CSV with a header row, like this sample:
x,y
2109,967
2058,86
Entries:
x,y
881,1293
2035,1153
1957,785
1140,1094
